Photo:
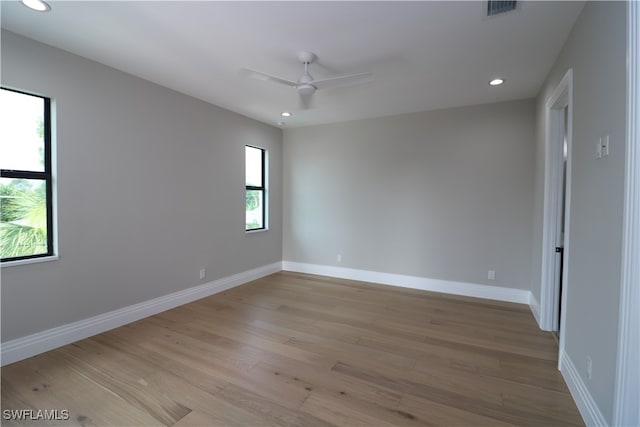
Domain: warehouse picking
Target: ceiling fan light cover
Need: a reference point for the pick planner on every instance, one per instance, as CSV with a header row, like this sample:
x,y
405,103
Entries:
x,y
306,89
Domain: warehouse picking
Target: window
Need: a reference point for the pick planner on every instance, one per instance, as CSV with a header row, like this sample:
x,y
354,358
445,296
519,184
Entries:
x,y
26,214
255,193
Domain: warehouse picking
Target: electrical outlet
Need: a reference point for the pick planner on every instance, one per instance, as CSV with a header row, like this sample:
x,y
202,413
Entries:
x,y
589,367
203,273
491,275
339,257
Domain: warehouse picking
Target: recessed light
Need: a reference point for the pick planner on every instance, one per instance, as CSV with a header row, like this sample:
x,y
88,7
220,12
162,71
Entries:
x,y
286,114
496,82
37,5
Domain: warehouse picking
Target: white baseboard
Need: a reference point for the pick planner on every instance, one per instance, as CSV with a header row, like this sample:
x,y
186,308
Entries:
x,y
413,282
534,305
24,347
584,401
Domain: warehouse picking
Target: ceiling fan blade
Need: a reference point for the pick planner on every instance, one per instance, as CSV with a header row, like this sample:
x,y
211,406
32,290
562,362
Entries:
x,y
259,75
351,80
306,101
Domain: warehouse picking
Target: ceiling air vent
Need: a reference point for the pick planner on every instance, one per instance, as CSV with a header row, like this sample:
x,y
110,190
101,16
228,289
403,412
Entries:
x,y
495,7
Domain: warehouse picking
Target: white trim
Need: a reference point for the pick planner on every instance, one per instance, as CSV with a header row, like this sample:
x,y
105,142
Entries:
x,y
54,176
549,293
423,283
24,347
5,264
256,230
626,411
534,305
580,393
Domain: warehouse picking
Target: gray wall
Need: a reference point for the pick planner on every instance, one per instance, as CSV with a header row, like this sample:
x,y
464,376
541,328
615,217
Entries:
x,y
596,51
150,190
444,194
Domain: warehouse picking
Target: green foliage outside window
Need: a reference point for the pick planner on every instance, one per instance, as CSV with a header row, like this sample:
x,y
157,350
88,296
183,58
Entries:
x,y
252,200
23,218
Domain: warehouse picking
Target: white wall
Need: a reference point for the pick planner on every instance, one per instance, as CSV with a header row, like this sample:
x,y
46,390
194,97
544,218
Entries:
x,y
150,185
442,195
596,51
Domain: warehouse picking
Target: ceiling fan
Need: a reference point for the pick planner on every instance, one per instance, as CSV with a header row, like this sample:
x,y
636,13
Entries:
x,y
306,85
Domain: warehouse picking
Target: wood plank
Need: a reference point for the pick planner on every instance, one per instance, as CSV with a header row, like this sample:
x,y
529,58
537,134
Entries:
x,y
46,383
164,410
210,408
335,412
470,400
267,411
438,414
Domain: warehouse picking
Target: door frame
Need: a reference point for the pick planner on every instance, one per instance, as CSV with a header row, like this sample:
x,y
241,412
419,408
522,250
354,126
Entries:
x,y
561,98
627,393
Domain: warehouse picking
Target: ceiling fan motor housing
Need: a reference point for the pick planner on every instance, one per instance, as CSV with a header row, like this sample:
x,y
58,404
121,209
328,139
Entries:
x,y
306,57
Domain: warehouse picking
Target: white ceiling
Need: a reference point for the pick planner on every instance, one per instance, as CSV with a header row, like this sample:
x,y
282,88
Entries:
x,y
423,55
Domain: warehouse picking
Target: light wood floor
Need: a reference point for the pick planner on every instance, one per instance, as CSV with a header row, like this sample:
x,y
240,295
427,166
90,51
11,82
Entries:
x,y
299,350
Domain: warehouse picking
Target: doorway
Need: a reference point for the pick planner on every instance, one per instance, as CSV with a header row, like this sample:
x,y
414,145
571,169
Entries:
x,y
557,198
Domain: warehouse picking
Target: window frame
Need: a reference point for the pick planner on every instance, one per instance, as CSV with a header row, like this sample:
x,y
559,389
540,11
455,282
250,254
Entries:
x,y
263,188
46,176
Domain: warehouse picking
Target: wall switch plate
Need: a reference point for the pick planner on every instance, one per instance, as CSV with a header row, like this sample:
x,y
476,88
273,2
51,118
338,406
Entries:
x,y
339,257
491,275
602,147
203,273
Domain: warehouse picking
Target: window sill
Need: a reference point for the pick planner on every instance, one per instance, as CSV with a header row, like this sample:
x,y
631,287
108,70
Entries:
x,y
259,230
28,261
